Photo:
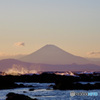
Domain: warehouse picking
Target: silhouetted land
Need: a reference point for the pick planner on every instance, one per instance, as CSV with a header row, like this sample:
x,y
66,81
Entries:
x,y
61,82
14,96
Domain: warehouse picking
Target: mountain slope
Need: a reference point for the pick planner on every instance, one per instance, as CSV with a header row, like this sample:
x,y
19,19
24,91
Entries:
x,y
12,65
51,54
5,64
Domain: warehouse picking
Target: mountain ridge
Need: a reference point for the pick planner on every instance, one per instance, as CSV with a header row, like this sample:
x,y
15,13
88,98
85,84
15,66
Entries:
x,y
49,58
10,64
51,54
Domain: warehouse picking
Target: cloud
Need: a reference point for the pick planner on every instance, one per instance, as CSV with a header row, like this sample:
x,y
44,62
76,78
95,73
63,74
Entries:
x,y
93,53
20,44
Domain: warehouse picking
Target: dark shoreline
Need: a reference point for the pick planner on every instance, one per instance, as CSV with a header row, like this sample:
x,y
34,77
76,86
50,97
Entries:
x,y
61,82
15,96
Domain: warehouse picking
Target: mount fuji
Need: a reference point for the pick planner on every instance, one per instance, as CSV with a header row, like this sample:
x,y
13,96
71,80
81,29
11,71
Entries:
x,y
49,58
51,54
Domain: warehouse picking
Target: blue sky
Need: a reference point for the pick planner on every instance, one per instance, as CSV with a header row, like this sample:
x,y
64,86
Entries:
x,y
73,25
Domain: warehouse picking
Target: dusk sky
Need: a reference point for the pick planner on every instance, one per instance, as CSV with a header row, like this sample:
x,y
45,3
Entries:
x,y
27,25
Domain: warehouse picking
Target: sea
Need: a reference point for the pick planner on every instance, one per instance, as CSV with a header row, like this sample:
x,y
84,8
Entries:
x,y
43,91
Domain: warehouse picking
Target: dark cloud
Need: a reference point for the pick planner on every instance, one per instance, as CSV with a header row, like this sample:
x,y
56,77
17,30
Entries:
x,y
94,53
20,44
